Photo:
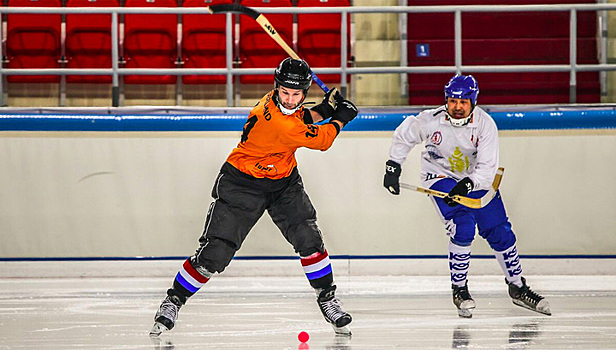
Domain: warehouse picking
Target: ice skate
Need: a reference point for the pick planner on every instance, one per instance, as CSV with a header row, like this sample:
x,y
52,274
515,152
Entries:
x,y
330,306
463,301
166,315
526,298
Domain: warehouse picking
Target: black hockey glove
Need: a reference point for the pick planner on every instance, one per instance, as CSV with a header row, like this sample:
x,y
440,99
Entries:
x,y
391,181
327,107
462,188
345,111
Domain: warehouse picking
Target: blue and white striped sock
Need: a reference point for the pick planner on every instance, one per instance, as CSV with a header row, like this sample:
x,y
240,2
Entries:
x,y
509,261
459,263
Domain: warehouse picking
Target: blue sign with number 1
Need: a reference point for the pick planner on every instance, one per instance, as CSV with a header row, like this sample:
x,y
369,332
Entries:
x,y
423,50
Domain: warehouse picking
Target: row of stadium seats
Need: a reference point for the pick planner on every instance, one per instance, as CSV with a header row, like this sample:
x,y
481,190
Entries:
x,y
503,38
198,41
151,40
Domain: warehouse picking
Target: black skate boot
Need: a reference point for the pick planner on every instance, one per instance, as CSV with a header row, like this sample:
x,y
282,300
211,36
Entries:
x,y
525,297
331,308
166,315
463,301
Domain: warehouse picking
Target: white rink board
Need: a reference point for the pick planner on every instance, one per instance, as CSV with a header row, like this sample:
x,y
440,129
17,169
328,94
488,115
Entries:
x,y
126,194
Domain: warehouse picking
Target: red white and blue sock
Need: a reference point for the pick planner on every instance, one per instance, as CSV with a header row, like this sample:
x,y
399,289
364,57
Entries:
x,y
188,280
318,269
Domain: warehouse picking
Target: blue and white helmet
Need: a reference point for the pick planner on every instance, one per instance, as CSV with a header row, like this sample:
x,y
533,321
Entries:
x,y
462,87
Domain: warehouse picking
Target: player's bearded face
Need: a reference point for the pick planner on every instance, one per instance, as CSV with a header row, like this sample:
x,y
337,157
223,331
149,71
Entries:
x,y
458,108
290,98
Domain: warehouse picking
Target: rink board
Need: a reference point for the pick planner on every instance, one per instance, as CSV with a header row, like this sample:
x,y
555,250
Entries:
x,y
121,183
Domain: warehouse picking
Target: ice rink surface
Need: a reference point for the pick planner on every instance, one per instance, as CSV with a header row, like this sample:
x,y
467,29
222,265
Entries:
x,y
389,312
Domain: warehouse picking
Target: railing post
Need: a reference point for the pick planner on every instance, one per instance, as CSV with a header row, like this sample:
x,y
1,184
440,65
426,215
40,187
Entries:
x,y
229,58
115,81
573,56
602,16
404,54
63,61
343,53
458,41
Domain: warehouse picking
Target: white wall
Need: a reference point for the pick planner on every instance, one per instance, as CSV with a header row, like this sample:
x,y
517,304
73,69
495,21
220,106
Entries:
x,y
146,194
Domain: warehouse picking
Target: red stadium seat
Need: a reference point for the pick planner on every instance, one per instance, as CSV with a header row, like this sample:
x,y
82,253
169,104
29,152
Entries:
x,y
150,41
33,41
257,48
513,38
88,40
204,42
319,37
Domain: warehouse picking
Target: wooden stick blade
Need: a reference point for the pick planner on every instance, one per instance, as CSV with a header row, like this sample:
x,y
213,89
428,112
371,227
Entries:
x,y
498,178
487,198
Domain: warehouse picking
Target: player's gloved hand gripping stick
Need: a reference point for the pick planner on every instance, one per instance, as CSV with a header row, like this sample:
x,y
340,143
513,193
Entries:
x,y
267,27
474,203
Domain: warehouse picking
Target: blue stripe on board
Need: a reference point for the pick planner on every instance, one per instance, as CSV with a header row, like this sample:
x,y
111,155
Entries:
x,y
122,123
380,121
580,119
335,257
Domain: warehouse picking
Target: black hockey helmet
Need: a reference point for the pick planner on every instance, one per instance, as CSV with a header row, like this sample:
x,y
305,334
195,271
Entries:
x,y
293,74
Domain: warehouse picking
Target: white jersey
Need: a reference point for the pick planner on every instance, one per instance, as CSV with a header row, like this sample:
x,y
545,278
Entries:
x,y
450,151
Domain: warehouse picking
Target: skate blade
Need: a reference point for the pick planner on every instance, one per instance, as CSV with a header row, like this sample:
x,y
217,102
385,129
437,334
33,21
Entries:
x,y
465,310
465,313
158,329
345,330
543,307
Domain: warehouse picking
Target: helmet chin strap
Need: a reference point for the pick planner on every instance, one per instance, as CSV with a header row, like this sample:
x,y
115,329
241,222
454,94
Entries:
x,y
459,122
286,111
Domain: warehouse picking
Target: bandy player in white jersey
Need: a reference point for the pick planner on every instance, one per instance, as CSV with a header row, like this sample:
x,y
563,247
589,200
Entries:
x,y
461,158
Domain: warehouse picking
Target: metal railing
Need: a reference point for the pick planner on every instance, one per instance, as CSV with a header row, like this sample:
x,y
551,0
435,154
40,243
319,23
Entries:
x,y
116,71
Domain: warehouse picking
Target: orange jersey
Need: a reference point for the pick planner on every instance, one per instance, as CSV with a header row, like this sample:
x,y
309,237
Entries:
x,y
270,139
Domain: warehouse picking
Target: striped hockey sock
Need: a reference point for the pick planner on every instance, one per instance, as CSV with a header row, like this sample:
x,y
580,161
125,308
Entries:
x,y
459,263
188,280
318,270
509,261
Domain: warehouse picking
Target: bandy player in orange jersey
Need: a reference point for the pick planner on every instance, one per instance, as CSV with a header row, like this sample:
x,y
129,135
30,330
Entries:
x,y
261,174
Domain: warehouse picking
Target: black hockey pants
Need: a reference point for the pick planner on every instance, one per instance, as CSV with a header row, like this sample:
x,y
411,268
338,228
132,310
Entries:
x,y
240,200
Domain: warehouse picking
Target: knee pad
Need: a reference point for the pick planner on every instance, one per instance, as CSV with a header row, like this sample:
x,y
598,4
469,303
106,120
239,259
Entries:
x,y
308,242
499,237
305,237
215,255
461,229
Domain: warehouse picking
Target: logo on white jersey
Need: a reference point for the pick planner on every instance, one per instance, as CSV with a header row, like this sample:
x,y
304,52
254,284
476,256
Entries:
x,y
436,138
458,161
433,152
